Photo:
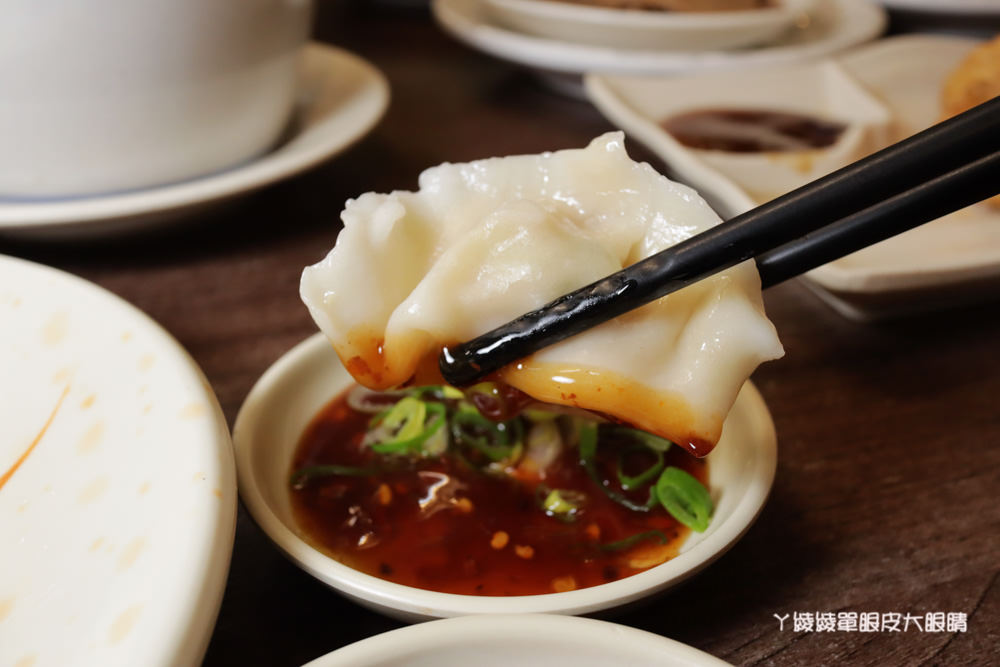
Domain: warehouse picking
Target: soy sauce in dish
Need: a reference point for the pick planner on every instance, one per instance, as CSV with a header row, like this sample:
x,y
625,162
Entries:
x,y
752,130
461,523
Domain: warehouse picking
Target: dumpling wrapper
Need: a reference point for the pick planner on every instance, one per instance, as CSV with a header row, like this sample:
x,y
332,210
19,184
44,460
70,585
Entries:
x,y
482,243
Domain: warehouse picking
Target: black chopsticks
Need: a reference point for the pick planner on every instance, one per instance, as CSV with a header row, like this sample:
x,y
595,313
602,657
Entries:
x,y
947,167
928,201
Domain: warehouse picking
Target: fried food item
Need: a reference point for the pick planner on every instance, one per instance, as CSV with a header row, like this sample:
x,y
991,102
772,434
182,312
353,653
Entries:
x,y
974,81
679,5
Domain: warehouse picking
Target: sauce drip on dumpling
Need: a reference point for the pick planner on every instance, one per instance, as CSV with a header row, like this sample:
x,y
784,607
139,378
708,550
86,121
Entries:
x,y
484,242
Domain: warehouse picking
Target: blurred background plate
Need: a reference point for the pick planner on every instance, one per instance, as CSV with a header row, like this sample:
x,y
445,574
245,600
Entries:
x,y
525,640
117,482
834,26
950,261
341,98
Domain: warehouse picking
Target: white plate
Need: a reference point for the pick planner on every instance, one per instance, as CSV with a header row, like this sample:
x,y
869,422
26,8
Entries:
x,y
949,7
117,527
341,99
291,392
945,262
658,30
836,25
524,640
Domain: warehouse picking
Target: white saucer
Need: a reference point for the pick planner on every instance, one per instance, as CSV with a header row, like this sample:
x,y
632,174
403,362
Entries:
x,y
527,640
835,26
292,391
341,99
117,482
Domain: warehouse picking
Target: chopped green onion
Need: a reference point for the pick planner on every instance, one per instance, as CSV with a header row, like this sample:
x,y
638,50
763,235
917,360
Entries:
x,y
303,476
450,392
483,388
496,441
494,453
437,443
634,506
654,442
588,444
588,455
439,391
685,498
540,415
516,452
409,416
562,502
467,410
632,540
628,482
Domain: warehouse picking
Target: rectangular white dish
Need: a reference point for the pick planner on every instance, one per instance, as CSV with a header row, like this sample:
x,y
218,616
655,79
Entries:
x,y
952,260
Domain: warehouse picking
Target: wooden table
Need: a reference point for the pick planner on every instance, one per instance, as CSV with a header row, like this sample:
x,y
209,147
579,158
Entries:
x,y
886,497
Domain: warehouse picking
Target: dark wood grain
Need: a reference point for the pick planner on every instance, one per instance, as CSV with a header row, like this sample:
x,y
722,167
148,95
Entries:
x,y
886,497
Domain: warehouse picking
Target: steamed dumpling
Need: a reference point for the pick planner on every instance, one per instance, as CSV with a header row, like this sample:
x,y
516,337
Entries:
x,y
482,243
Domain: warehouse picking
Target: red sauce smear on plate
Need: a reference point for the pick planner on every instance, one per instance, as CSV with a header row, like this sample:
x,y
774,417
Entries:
x,y
34,443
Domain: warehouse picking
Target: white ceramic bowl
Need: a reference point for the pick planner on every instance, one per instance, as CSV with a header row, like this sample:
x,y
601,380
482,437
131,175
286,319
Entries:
x,y
641,29
107,96
528,640
291,392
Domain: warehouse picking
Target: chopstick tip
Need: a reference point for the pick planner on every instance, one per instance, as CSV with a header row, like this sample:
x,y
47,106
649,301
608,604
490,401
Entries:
x,y
457,368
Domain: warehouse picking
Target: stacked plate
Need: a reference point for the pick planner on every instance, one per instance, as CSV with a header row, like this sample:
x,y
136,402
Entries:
x,y
573,37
